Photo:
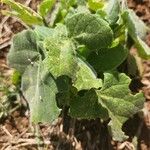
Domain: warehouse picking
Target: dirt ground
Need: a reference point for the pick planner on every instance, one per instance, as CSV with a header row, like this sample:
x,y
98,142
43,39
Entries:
x,y
16,132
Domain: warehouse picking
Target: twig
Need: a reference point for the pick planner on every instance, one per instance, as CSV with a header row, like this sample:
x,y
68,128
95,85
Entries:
x,y
4,35
3,21
24,142
24,132
6,44
5,39
127,145
7,28
14,109
29,142
7,132
5,146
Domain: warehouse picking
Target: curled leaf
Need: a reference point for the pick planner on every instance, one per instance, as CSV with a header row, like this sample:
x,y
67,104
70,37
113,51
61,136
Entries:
x,y
137,30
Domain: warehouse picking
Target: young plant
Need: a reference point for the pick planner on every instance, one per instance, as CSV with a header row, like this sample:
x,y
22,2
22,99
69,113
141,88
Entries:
x,y
74,63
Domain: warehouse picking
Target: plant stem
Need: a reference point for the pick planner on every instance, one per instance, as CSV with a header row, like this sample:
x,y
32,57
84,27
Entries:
x,y
105,137
65,119
37,134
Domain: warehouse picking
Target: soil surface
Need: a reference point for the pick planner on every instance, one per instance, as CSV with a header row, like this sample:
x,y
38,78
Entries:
x,y
16,133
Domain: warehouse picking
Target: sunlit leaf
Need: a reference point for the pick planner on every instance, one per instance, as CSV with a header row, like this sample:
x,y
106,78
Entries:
x,y
137,30
61,58
112,9
40,89
121,104
86,77
24,50
22,12
95,4
45,7
90,30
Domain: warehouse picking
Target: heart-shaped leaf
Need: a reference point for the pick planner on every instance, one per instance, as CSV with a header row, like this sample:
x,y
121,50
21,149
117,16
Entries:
x,y
90,30
24,50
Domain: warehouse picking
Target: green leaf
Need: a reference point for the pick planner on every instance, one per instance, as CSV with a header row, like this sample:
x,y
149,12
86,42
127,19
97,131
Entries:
x,y
64,85
101,13
143,48
117,98
90,30
81,9
43,32
59,31
16,78
95,4
40,89
81,2
86,78
61,57
45,7
112,9
24,50
22,12
66,4
137,30
108,59
136,27
132,65
87,106
66,91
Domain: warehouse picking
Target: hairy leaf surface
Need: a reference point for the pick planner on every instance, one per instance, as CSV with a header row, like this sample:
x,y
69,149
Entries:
x,y
112,9
135,25
86,77
90,30
116,97
61,58
65,91
137,30
40,89
23,51
43,32
87,106
59,32
108,59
